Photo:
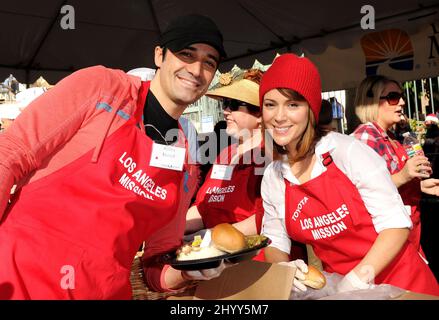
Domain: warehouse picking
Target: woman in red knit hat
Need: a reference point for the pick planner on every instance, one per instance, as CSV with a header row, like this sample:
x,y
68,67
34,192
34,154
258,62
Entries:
x,y
331,191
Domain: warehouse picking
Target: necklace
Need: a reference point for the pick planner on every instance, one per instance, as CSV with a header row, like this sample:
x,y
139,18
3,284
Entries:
x,y
158,131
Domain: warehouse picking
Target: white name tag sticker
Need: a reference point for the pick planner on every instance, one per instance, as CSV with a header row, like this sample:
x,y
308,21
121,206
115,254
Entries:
x,y
221,172
167,157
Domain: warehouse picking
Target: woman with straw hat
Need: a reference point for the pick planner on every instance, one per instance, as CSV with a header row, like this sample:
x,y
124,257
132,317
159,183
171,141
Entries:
x,y
231,191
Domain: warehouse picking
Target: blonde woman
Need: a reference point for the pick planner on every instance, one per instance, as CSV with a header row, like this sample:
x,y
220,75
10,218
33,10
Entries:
x,y
379,105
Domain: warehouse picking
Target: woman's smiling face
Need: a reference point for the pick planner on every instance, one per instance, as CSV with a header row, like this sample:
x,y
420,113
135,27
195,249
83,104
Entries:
x,y
285,118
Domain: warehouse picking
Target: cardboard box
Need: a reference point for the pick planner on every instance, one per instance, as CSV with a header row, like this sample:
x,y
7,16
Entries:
x,y
249,280
416,296
254,280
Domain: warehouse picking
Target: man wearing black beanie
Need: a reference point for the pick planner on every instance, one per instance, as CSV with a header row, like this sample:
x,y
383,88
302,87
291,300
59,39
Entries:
x,y
190,49
99,170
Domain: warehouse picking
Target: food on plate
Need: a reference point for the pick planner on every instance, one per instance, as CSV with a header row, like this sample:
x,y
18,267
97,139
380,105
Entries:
x,y
224,238
254,240
193,251
314,278
227,238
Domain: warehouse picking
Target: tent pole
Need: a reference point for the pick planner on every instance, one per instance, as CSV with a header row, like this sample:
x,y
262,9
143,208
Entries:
x,y
416,101
431,95
437,86
27,78
423,109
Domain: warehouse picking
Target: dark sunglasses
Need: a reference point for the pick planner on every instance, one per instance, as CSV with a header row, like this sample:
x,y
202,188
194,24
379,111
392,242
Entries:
x,y
393,97
234,105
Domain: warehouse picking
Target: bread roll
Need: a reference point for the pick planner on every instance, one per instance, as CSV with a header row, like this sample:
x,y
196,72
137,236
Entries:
x,y
227,238
314,278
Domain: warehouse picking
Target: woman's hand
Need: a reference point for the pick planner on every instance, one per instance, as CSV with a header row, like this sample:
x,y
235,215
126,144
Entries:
x,y
299,276
430,186
351,282
417,167
386,247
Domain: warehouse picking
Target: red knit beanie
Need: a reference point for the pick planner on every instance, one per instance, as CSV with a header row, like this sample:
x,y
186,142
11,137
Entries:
x,y
295,73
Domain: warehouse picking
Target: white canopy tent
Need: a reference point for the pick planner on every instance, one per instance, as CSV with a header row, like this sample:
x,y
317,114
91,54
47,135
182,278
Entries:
x,y
122,34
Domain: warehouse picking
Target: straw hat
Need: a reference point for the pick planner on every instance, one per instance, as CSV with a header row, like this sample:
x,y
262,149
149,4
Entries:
x,y
236,86
41,83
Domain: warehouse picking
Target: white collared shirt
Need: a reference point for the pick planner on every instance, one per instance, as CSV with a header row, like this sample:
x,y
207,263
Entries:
x,y
360,163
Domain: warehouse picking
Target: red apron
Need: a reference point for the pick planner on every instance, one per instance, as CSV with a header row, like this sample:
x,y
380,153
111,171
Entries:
x,y
74,233
227,201
328,213
411,196
410,192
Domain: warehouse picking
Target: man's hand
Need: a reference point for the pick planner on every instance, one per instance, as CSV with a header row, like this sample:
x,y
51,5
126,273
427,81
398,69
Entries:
x,y
205,274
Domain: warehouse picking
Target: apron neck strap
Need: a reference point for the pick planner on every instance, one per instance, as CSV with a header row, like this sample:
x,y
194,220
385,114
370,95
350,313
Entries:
x,y
327,159
143,92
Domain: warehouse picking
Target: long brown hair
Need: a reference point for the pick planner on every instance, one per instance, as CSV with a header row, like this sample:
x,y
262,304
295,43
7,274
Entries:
x,y
307,142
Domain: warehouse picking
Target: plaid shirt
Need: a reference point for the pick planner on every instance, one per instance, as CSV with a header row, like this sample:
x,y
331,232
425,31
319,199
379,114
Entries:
x,y
378,139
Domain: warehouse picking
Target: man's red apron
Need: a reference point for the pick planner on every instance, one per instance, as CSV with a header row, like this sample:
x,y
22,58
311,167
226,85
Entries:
x,y
328,213
410,192
74,233
227,201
